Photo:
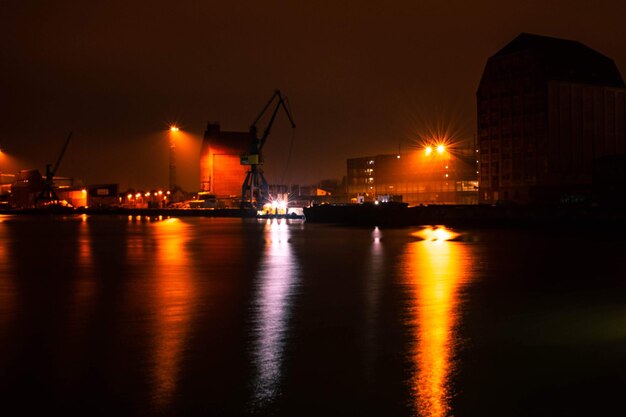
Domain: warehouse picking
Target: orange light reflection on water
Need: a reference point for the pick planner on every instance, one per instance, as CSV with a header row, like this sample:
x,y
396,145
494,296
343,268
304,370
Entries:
x,y
172,302
435,269
85,285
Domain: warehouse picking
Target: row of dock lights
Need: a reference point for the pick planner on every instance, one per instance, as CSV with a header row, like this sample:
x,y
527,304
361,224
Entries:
x,y
148,194
155,198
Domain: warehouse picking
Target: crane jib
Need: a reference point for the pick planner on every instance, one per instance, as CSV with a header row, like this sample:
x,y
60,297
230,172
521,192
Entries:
x,y
255,190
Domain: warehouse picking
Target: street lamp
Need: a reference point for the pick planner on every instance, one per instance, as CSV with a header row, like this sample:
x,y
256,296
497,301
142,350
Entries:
x,y
441,148
172,171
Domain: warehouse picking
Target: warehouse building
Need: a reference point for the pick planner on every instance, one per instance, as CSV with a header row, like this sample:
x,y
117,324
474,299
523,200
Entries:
x,y
221,172
548,110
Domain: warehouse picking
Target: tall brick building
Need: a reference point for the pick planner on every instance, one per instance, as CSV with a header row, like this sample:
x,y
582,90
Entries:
x,y
548,110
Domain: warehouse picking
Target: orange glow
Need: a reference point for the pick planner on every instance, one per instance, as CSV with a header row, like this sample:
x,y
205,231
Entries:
x,y
436,234
221,172
85,286
435,269
428,150
174,128
77,198
172,293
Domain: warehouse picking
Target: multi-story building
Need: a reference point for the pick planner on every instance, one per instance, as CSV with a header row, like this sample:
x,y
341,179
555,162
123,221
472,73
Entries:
x,y
548,110
427,176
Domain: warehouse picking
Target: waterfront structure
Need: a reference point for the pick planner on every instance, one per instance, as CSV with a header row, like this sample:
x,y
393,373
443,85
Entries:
x,y
75,196
447,176
103,195
548,110
221,171
6,180
27,185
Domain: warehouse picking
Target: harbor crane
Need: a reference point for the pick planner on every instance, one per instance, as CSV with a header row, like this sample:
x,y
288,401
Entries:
x,y
255,187
47,196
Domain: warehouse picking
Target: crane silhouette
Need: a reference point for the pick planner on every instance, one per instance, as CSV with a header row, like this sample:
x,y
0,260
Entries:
x,y
47,196
255,190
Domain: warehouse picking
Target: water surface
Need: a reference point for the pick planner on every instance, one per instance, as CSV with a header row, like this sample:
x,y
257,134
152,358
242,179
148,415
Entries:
x,y
222,317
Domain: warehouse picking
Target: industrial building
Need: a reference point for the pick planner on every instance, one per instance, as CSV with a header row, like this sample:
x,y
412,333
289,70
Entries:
x,y
231,163
221,171
427,176
29,184
548,110
103,195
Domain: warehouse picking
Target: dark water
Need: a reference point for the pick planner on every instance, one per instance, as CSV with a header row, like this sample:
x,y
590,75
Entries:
x,y
223,317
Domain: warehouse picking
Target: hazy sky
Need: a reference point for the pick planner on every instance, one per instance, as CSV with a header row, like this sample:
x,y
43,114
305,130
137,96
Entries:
x,y
362,77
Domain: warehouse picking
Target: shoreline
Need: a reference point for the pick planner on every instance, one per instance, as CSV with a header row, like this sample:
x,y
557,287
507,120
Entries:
x,y
469,216
391,215
149,212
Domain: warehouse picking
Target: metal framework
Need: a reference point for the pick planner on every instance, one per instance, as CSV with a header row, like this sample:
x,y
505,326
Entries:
x,y
255,189
47,196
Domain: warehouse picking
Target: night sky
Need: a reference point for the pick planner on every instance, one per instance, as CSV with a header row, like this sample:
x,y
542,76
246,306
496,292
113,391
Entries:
x,y
362,77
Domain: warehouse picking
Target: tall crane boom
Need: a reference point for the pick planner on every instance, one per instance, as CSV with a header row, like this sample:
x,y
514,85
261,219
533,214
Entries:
x,y
280,103
255,180
60,158
47,195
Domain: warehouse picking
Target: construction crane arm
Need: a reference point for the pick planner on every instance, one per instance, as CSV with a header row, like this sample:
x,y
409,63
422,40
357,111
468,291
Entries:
x,y
58,162
279,104
254,177
269,102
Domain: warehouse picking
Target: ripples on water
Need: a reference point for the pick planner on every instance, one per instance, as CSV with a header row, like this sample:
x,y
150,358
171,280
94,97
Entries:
x,y
136,316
